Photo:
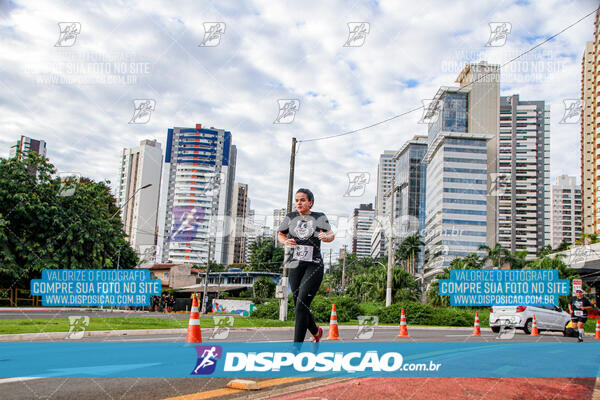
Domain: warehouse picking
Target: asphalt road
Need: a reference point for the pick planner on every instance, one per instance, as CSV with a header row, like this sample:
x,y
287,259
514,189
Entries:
x,y
160,388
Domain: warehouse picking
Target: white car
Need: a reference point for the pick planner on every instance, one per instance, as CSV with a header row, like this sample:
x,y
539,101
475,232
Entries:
x,y
547,318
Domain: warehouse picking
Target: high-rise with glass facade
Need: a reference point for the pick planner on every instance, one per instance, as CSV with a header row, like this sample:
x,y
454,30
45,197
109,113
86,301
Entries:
x,y
463,126
196,197
409,185
362,223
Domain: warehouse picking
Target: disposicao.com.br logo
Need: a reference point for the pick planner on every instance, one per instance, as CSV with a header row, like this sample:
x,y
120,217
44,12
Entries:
x,y
302,362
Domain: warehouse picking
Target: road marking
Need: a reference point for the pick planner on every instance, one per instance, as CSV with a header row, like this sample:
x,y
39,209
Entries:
x,y
225,391
12,380
467,335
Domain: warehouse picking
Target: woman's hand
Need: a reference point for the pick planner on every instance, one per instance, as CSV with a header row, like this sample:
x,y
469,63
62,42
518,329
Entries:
x,y
289,243
326,236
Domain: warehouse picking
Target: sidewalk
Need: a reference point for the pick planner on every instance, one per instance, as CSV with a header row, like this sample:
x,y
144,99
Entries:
x,y
451,389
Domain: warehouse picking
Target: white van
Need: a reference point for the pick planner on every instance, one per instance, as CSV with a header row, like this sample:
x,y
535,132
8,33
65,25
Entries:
x,y
547,318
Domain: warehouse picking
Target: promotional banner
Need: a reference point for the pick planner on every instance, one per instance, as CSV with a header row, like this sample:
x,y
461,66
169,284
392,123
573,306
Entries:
x,y
221,359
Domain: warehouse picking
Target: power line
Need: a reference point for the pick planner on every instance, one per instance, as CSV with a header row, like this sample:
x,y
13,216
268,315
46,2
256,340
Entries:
x,y
476,80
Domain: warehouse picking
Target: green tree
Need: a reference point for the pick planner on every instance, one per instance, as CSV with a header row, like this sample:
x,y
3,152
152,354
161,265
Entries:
x,y
517,260
564,271
265,256
498,256
264,287
42,228
408,251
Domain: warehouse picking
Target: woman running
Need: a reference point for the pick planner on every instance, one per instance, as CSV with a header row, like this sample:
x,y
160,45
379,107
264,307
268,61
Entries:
x,y
578,308
303,230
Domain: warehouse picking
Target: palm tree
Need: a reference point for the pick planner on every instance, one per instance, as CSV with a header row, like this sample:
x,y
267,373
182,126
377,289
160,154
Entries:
x,y
517,260
473,261
497,255
409,250
587,238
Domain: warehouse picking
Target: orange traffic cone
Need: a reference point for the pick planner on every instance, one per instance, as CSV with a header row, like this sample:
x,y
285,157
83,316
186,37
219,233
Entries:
x,y
534,329
476,327
597,336
403,327
194,334
333,333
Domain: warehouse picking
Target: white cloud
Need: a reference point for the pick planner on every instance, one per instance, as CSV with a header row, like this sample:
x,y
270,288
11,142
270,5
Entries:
x,y
270,51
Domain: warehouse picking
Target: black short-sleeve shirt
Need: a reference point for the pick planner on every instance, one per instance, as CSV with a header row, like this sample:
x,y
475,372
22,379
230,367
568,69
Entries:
x,y
577,304
305,229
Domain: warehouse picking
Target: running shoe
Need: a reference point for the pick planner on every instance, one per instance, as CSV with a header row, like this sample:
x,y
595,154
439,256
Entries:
x,y
317,337
579,339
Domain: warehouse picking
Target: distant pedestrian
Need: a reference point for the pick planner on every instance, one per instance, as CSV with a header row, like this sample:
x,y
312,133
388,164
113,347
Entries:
x,y
578,308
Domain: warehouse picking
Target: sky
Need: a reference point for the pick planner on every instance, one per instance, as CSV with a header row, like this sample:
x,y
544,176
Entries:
x,y
77,92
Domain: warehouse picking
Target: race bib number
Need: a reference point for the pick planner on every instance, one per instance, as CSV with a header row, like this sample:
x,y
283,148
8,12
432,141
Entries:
x,y
578,313
303,253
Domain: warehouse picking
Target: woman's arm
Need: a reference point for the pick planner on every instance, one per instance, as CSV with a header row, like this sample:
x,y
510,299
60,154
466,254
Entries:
x,y
284,241
328,236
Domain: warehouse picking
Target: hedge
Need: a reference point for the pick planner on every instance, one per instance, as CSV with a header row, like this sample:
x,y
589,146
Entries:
x,y
349,309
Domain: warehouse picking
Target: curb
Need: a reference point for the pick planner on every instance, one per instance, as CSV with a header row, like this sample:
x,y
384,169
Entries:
x,y
182,331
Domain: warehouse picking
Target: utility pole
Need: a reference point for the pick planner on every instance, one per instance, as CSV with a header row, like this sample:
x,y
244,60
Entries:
x,y
388,291
283,302
204,299
344,270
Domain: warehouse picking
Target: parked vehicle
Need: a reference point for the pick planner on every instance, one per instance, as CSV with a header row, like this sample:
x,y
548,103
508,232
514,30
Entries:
x,y
547,318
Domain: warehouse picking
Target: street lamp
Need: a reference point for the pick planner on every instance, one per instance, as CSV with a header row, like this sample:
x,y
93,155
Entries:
x,y
129,199
388,291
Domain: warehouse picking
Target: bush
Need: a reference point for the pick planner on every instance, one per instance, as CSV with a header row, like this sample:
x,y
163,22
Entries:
x,y
270,309
425,314
245,294
346,307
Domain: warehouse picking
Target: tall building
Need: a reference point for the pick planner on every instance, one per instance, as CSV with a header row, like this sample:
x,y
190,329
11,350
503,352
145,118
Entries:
x,y
197,195
237,240
566,210
26,144
409,184
278,216
385,179
140,166
523,180
363,219
462,135
590,132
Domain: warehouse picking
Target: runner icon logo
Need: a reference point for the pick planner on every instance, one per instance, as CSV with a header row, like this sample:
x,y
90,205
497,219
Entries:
x,y
207,359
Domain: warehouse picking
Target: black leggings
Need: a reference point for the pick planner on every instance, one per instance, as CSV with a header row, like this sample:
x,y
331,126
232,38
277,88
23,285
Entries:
x,y
305,280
